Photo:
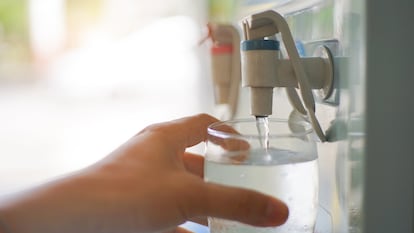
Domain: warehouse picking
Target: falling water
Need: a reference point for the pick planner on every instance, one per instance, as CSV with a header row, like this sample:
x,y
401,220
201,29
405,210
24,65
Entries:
x,y
262,125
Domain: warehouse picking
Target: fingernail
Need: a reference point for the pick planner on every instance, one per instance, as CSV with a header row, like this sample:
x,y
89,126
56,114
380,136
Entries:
x,y
277,213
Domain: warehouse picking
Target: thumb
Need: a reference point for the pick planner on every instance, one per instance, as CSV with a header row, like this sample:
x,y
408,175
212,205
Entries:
x,y
241,205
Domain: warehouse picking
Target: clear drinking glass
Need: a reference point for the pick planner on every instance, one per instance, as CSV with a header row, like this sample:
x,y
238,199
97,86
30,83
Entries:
x,y
272,156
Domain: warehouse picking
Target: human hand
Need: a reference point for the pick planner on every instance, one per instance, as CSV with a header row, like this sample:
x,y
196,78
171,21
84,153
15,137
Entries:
x,y
149,184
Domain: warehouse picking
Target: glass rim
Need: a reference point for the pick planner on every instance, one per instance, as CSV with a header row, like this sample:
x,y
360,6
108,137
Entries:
x,y
218,133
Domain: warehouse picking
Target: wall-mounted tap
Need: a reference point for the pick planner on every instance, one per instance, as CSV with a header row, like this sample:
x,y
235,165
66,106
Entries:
x,y
263,68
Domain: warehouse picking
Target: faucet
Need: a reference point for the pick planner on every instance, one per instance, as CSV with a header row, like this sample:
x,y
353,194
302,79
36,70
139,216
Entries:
x,y
225,62
263,68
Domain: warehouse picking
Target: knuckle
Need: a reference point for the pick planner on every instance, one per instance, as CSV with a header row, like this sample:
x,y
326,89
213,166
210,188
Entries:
x,y
158,128
205,116
153,128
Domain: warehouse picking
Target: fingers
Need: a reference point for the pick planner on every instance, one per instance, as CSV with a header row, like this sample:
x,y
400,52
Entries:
x,y
194,164
184,132
199,220
225,136
182,230
239,204
179,230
